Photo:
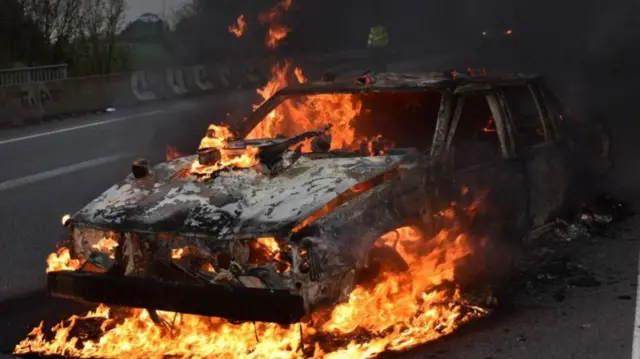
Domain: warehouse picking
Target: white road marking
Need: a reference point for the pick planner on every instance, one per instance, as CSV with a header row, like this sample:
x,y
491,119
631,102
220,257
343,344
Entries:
x,y
635,347
7,185
118,119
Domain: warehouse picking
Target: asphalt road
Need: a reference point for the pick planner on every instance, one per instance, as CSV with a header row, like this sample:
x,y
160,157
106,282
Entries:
x,y
55,168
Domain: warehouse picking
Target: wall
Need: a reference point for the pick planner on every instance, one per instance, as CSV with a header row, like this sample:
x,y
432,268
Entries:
x,y
22,104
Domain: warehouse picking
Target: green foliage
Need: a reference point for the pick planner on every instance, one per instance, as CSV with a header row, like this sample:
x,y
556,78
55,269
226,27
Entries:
x,y
20,38
80,33
85,62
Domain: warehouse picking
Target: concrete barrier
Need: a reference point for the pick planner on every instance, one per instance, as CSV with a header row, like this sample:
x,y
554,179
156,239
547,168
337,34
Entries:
x,y
40,100
176,79
199,79
158,82
140,87
223,76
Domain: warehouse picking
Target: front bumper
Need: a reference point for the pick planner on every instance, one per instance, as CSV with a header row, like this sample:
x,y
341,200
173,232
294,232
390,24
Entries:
x,y
234,303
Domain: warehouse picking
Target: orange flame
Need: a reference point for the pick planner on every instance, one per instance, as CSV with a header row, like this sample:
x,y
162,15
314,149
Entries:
x,y
217,138
400,310
490,126
313,112
106,245
239,27
172,153
275,13
277,32
61,260
65,219
270,243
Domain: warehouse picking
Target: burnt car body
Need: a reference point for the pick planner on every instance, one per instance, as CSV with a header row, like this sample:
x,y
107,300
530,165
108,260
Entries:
x,y
506,137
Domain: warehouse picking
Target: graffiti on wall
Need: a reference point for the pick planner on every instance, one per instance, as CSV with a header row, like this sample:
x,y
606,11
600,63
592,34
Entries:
x,y
37,95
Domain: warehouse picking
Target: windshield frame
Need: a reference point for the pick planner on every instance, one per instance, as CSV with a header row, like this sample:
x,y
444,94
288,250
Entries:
x,y
261,112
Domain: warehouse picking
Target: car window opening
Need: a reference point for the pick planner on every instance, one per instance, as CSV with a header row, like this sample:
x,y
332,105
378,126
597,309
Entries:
x,y
407,119
388,119
526,117
476,139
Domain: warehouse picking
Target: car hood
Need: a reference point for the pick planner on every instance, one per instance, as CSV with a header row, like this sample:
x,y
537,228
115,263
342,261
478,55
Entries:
x,y
236,203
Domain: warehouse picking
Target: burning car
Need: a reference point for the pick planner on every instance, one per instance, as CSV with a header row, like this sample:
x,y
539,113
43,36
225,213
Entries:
x,y
288,211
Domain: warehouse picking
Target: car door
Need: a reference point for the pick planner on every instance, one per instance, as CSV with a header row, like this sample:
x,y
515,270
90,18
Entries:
x,y
544,160
480,160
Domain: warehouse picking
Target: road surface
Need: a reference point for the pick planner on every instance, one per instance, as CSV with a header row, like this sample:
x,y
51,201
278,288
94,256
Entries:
x,y
53,169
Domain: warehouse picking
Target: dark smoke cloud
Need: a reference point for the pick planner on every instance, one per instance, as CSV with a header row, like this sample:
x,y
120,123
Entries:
x,y
589,49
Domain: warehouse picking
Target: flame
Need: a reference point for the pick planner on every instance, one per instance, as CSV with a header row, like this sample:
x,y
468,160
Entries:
x,y
477,72
106,245
400,310
177,253
375,145
65,219
277,32
270,243
208,267
239,27
275,13
313,112
490,126
60,260
248,159
216,138
172,153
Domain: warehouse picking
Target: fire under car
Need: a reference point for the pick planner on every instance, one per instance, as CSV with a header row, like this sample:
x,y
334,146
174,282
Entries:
x,y
272,229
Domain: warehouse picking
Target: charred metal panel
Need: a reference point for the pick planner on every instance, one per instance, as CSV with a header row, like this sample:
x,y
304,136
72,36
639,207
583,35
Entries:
x,y
549,176
501,127
237,303
235,203
510,127
354,227
442,124
542,111
503,184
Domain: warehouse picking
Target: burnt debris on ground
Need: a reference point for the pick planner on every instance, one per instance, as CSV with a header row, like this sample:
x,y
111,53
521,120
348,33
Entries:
x,y
552,264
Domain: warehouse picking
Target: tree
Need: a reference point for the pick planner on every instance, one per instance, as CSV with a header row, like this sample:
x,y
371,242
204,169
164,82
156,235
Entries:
x,y
58,20
21,39
81,33
147,29
95,45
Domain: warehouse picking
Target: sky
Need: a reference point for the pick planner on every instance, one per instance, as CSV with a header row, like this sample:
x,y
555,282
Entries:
x,y
139,7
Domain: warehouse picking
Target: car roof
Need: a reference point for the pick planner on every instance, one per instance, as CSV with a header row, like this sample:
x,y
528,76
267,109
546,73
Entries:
x,y
406,81
385,82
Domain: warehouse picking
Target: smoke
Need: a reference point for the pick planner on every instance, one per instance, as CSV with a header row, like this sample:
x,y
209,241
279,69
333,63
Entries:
x,y
588,49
